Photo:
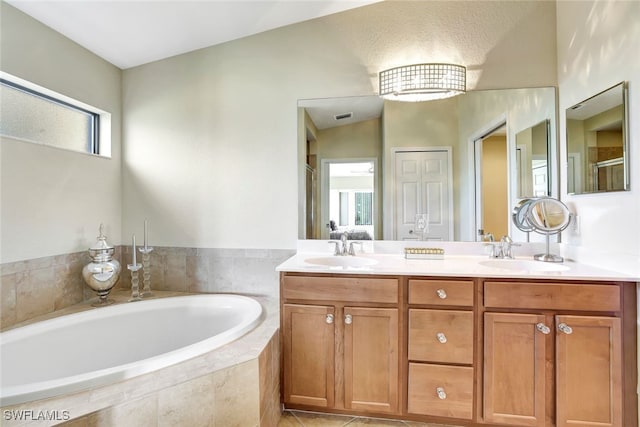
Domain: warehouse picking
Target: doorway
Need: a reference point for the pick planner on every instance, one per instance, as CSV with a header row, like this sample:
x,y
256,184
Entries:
x,y
491,183
349,198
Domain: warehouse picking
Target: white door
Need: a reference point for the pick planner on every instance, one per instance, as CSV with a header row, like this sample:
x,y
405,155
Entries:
x,y
423,186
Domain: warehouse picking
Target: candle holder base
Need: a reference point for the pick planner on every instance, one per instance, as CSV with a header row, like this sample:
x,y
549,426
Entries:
x,y
146,271
135,293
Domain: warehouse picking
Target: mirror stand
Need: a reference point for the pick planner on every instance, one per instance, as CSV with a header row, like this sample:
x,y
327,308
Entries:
x,y
548,256
546,216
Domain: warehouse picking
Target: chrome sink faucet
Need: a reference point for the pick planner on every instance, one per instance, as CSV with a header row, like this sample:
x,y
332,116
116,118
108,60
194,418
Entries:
x,y
502,249
506,245
342,247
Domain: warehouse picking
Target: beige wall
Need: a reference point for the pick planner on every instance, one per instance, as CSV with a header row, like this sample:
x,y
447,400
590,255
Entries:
x,y
358,141
209,151
480,112
210,136
53,200
598,45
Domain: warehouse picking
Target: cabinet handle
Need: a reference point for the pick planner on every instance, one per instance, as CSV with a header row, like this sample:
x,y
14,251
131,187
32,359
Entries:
x,y
348,319
442,294
441,337
329,318
441,393
543,328
563,327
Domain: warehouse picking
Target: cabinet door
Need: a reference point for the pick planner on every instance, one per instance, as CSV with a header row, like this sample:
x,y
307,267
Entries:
x,y
308,347
588,371
514,368
371,359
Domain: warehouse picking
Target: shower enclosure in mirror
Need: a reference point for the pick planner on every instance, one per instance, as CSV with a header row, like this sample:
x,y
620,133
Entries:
x,y
597,143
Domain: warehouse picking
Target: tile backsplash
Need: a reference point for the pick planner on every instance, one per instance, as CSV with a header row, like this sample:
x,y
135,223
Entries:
x,y
39,286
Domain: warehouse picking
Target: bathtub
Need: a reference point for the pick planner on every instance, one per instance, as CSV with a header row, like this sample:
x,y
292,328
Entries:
x,y
101,346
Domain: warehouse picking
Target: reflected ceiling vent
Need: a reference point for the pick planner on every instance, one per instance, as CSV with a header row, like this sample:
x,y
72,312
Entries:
x,y
343,116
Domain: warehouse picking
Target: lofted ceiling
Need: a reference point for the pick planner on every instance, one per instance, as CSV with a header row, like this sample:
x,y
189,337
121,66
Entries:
x,y
128,33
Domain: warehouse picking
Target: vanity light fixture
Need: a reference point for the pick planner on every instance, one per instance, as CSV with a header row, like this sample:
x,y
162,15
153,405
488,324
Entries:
x,y
422,82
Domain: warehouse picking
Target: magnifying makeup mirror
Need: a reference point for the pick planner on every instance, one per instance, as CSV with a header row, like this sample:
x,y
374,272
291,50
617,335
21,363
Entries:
x,y
545,216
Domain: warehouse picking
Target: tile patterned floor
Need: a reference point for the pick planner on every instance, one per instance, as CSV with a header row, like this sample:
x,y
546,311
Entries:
x,y
311,419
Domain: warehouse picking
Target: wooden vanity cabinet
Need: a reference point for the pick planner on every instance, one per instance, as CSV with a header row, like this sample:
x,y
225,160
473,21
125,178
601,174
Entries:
x,y
553,354
476,352
440,379
341,343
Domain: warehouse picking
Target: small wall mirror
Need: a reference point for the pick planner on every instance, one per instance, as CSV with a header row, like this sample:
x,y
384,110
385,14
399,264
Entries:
x,y
597,143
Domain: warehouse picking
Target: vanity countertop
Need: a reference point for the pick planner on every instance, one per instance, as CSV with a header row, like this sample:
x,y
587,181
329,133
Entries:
x,y
451,265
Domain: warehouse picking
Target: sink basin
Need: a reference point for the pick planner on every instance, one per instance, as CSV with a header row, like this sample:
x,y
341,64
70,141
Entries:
x,y
523,265
341,261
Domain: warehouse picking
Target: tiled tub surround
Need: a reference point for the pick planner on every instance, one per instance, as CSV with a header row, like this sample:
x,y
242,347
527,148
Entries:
x,y
237,384
35,287
245,271
32,288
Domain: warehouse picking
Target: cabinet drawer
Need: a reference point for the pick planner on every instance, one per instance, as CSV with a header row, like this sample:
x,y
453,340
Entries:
x,y
352,289
441,292
455,384
441,336
552,296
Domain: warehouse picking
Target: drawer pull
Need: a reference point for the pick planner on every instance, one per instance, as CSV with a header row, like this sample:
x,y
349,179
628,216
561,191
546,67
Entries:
x,y
543,328
441,393
563,327
329,318
441,337
348,319
442,294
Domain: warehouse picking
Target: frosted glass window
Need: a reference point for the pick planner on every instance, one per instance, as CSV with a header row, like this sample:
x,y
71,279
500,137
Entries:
x,y
31,116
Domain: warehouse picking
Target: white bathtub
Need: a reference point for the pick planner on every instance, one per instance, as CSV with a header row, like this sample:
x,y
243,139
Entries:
x,y
105,345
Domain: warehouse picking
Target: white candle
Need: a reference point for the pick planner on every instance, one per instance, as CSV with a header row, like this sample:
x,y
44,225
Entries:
x,y
134,251
145,234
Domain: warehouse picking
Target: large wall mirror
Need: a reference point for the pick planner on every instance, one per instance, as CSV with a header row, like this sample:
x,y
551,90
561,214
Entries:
x,y
597,143
409,170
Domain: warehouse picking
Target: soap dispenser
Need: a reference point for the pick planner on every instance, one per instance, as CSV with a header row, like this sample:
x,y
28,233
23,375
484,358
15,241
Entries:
x,y
103,272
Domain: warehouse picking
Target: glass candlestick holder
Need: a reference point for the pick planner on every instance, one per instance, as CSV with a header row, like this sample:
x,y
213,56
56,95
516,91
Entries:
x,y
135,292
146,271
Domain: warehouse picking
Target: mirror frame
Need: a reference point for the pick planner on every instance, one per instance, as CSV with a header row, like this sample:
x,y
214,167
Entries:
x,y
625,137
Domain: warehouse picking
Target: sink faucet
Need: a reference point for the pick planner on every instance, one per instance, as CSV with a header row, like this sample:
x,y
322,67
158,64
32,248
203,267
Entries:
x,y
506,245
344,239
342,247
502,249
